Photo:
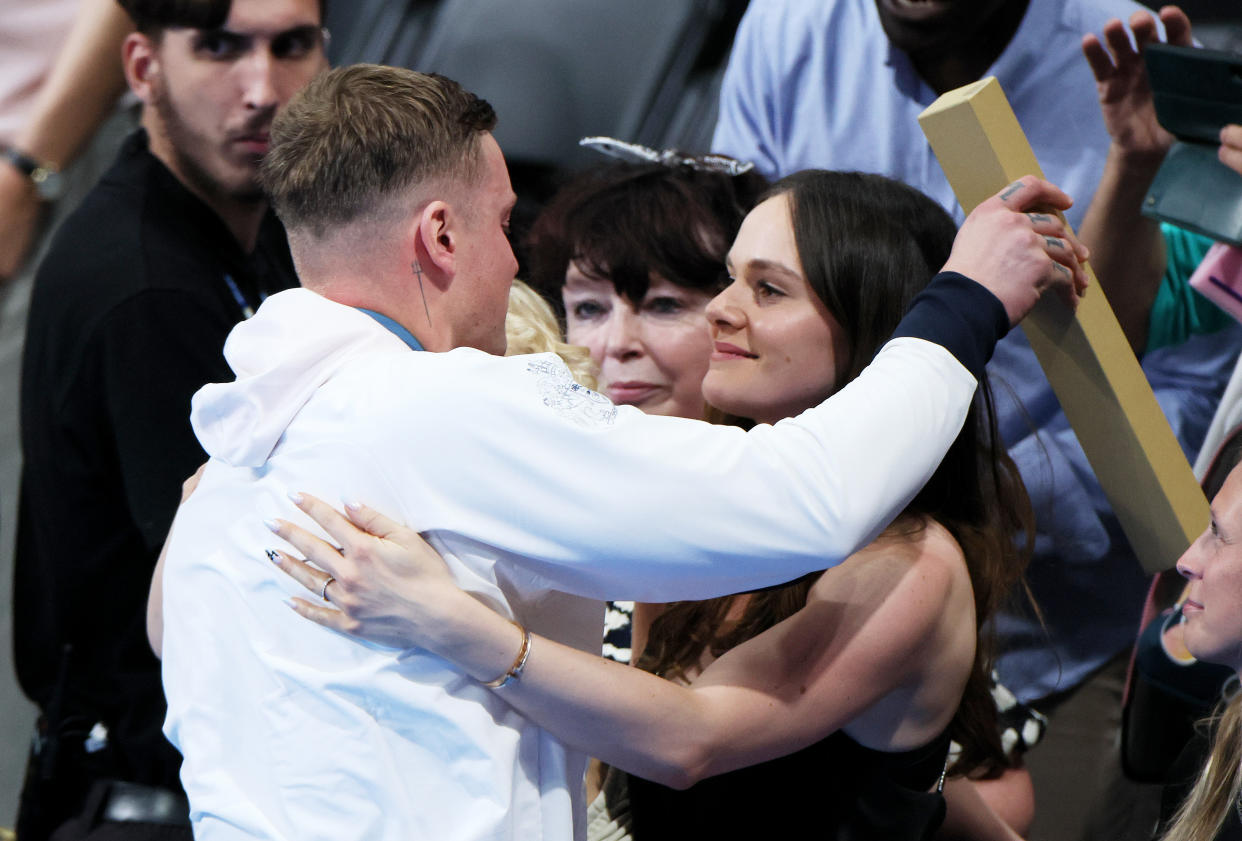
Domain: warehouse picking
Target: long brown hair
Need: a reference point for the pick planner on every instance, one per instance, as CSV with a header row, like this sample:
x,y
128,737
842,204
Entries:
x,y
867,245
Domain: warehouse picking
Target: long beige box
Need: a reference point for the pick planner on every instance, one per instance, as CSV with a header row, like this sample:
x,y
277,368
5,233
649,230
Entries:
x,y
1088,361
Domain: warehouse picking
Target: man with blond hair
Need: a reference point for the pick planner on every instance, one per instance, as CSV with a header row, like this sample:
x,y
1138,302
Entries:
x,y
396,199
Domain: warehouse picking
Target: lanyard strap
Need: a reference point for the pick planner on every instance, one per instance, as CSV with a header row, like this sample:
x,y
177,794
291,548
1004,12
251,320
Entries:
x,y
242,303
393,327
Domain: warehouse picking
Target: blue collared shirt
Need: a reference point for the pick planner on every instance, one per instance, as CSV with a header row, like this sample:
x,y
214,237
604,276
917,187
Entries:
x,y
818,85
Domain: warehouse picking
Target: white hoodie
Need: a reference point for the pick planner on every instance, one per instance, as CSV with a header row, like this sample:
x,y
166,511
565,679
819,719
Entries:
x,y
533,488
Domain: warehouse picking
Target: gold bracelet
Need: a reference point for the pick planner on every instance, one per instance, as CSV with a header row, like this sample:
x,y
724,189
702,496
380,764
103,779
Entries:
x,y
519,663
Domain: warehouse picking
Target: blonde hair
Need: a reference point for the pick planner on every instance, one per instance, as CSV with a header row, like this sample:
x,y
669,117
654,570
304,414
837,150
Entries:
x,y
531,327
1219,784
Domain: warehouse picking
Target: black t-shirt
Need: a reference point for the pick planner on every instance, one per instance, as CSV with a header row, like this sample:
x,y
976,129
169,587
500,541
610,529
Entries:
x,y
128,317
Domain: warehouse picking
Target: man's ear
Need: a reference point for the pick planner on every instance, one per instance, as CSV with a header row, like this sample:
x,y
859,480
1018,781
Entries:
x,y
141,62
438,237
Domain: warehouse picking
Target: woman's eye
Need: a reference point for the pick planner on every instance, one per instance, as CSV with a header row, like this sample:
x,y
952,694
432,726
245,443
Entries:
x,y
763,289
586,310
665,305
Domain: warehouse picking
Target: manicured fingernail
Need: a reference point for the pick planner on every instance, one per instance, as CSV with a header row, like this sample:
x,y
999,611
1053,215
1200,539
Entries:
x,y
296,497
352,506
272,556
292,605
273,525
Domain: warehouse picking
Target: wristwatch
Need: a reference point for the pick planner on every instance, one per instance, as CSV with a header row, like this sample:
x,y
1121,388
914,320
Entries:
x,y
47,180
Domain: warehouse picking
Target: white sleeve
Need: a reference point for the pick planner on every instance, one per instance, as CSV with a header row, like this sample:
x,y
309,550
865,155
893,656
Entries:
x,y
611,503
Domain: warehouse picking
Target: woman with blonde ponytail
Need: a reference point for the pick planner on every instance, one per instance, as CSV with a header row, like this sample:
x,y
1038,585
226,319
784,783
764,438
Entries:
x,y
1212,629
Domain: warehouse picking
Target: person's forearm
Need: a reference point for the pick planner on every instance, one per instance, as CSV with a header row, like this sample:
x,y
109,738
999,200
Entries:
x,y
784,689
81,88
1127,248
642,724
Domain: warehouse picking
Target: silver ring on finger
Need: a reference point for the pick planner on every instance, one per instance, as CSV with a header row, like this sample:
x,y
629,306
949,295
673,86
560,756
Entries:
x,y
323,591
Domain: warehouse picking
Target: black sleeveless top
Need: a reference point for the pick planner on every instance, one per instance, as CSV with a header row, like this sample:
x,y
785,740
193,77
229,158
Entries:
x,y
835,789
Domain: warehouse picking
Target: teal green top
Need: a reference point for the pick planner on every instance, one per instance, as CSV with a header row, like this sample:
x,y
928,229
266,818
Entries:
x,y
1178,311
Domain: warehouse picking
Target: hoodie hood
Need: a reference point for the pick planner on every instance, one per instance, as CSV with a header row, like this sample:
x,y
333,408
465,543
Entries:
x,y
294,344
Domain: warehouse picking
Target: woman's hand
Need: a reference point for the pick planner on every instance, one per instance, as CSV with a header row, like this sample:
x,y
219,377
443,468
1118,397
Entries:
x,y
385,583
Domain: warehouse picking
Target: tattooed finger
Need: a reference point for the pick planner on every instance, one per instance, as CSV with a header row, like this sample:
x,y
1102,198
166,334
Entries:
x,y
1011,189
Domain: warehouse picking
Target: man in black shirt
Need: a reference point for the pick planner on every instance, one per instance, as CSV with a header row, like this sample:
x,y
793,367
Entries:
x,y
128,318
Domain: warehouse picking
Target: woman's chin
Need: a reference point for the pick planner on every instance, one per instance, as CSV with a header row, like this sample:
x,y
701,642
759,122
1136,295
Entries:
x,y
724,401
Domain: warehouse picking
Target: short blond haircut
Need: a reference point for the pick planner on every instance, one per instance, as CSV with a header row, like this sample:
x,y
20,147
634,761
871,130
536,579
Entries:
x,y
359,135
531,327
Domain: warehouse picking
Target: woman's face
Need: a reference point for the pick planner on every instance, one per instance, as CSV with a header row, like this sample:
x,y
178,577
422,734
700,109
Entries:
x,y
652,354
776,348
1212,613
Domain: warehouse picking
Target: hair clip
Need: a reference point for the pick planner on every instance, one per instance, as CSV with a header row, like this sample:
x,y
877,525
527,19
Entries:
x,y
636,153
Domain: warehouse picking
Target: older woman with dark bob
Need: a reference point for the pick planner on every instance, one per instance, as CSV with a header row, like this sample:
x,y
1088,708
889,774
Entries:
x,y
633,253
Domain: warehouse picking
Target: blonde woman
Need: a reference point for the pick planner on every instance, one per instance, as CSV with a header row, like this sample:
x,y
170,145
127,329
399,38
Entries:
x,y
1212,628
530,327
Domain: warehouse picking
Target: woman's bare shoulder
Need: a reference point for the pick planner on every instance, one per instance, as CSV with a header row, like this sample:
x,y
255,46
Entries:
x,y
921,554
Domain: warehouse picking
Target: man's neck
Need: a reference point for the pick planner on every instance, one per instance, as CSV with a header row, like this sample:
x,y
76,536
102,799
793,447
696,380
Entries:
x,y
361,297
242,219
945,71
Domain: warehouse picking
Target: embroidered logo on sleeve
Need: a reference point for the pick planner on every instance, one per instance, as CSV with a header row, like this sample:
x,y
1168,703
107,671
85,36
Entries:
x,y
570,400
